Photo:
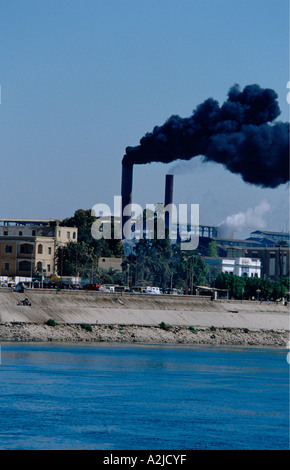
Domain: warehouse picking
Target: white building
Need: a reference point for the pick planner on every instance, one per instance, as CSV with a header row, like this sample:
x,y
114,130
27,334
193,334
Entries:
x,y
242,266
250,267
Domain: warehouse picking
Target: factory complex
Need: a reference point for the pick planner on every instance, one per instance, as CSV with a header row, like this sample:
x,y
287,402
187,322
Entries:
x,y
28,251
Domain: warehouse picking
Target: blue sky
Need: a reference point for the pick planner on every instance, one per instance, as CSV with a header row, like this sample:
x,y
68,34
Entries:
x,y
82,80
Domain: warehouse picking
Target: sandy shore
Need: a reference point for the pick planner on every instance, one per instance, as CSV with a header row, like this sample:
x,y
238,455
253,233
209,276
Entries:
x,y
142,334
137,319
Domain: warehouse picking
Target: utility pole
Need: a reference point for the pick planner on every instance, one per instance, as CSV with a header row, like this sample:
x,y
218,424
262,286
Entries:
x,y
61,266
130,285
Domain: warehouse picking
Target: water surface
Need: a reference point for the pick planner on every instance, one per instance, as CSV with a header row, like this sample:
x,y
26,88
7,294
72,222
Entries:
x,y
123,396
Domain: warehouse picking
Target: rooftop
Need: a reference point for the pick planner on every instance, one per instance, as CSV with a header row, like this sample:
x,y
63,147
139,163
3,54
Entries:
x,y
7,222
275,234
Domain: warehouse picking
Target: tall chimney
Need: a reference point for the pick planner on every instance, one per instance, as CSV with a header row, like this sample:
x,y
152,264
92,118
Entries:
x,y
168,199
126,192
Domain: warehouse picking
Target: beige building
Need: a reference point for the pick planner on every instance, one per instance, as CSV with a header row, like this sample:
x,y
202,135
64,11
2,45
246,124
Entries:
x,y
28,246
113,263
38,227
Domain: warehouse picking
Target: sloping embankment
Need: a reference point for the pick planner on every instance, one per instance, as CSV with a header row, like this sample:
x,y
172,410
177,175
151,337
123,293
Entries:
x,y
140,313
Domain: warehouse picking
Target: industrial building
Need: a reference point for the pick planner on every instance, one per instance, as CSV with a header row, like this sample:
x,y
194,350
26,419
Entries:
x,y
268,238
274,257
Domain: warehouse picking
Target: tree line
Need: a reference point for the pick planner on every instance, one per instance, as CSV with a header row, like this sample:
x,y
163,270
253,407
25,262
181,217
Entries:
x,y
243,287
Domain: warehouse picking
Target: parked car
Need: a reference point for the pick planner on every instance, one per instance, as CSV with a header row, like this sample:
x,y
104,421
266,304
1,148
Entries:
x,y
92,286
153,290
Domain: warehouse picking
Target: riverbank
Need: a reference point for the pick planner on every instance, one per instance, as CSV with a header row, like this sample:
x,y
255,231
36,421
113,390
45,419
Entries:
x,y
109,317
142,334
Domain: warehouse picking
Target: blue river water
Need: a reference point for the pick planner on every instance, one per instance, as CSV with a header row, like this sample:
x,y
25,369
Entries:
x,y
143,397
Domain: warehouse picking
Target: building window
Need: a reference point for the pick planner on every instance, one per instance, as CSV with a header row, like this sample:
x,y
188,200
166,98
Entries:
x,y
20,233
40,249
8,249
5,232
33,233
26,248
68,235
49,250
24,266
6,266
74,235
272,255
39,266
48,268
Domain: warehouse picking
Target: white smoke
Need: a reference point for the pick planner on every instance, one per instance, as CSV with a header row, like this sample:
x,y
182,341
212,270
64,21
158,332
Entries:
x,y
251,219
183,167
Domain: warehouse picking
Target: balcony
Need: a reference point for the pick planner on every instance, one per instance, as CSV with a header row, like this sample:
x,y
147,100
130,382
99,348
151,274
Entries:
x,y
25,250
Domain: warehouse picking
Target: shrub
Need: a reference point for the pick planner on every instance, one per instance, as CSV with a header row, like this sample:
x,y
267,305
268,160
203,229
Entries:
x,y
193,330
86,327
50,322
246,330
111,327
212,328
163,326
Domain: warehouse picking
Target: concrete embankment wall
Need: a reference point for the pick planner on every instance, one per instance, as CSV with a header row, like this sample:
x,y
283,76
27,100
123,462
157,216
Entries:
x,y
76,307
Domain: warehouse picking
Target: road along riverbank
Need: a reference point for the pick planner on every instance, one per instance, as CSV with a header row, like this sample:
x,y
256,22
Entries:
x,y
97,316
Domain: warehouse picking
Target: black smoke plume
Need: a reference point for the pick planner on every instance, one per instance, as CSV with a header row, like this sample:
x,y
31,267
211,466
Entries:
x,y
239,134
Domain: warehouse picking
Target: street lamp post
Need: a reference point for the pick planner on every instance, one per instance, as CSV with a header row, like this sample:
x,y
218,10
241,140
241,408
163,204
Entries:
x,y
191,274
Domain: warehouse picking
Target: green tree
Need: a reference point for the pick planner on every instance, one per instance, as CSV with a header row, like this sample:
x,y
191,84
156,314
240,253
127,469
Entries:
x,y
266,289
74,258
235,285
178,266
83,220
196,271
280,288
252,287
212,249
150,264
259,288
160,263
111,276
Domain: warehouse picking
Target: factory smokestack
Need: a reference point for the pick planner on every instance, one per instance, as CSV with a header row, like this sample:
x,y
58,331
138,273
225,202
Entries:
x,y
239,134
126,193
168,198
